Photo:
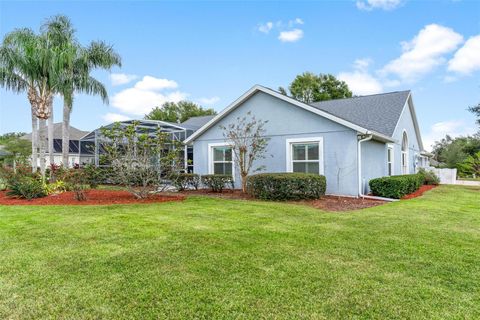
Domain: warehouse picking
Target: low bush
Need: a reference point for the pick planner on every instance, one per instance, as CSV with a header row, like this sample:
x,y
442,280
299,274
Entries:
x,y
396,186
58,186
184,181
77,182
429,177
3,184
217,182
97,175
27,188
286,186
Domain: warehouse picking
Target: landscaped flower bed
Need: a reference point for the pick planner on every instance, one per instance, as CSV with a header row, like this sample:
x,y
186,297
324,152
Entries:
x,y
94,197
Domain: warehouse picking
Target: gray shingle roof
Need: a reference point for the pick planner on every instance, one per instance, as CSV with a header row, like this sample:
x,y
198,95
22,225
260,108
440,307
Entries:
x,y
378,112
75,134
196,122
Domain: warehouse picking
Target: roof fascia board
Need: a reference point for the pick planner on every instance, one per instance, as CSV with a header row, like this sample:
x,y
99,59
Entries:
x,y
409,103
280,96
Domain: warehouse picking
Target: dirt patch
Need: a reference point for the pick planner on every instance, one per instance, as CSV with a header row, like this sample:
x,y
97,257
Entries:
x,y
328,203
419,192
334,203
225,194
94,197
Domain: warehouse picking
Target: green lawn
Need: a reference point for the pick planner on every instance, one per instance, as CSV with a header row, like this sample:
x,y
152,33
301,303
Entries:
x,y
214,258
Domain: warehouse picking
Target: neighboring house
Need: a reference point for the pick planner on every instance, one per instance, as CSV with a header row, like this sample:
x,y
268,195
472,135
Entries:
x,y
350,141
75,152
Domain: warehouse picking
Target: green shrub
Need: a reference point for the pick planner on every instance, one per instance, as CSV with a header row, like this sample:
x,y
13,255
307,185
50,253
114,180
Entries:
x,y
97,175
58,186
3,184
217,182
286,186
396,186
27,188
184,181
77,181
429,177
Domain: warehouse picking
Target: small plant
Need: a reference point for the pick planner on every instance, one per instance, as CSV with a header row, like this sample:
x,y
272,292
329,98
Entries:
x,y
27,188
217,182
94,176
58,186
184,181
429,177
286,186
77,181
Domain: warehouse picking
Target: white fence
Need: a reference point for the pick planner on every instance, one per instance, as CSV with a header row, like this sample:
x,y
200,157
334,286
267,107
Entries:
x,y
447,176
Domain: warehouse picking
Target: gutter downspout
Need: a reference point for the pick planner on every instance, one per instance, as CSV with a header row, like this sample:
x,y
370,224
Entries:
x,y
360,185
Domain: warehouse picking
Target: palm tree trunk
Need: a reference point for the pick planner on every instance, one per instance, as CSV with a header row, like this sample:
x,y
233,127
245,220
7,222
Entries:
x,y
34,142
66,132
42,140
50,137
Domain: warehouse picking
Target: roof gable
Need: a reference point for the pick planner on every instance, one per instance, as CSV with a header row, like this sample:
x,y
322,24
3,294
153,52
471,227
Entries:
x,y
318,111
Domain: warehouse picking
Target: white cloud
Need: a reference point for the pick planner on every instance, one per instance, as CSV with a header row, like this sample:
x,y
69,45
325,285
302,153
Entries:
x,y
286,31
360,81
453,128
291,36
151,83
467,59
369,5
139,102
146,94
423,53
114,117
265,27
208,101
121,78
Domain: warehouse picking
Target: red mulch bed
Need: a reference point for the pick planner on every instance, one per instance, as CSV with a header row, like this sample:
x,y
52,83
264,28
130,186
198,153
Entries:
x,y
328,203
419,192
94,197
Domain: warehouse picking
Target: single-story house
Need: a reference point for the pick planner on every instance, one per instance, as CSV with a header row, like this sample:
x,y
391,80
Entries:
x,y
74,152
350,141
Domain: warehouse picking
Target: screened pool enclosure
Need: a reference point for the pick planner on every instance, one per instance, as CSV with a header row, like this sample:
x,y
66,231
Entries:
x,y
92,144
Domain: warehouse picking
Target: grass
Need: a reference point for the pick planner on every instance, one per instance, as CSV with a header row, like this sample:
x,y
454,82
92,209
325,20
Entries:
x,y
470,179
224,259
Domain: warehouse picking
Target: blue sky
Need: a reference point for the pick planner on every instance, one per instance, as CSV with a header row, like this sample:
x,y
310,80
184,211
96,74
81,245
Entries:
x,y
212,52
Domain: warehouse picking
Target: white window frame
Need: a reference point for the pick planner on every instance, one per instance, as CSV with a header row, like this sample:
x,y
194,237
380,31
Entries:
x,y
404,163
211,146
289,154
390,147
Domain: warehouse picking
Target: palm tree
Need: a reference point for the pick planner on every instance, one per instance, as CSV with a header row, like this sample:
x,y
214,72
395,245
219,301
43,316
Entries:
x,y
79,63
29,63
20,72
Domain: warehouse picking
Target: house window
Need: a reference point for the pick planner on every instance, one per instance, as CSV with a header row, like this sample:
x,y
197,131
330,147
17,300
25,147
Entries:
x,y
305,156
390,160
405,153
222,162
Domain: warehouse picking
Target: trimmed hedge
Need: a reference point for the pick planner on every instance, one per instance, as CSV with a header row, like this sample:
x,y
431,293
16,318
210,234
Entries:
x,y
396,186
286,186
217,182
184,181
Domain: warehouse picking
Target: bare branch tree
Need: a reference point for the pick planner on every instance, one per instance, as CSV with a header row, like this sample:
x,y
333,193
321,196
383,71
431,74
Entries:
x,y
247,138
141,160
